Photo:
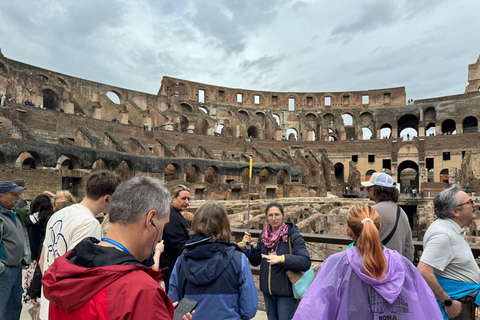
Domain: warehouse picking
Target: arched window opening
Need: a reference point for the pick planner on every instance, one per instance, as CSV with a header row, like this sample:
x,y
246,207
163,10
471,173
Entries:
x,y
470,124
369,174
252,132
170,173
347,119
185,107
282,177
430,130
204,110
265,176
292,134
367,133
277,118
211,175
408,134
218,131
124,171
449,127
407,127
101,164
408,176
114,97
51,101
386,131
191,175
444,177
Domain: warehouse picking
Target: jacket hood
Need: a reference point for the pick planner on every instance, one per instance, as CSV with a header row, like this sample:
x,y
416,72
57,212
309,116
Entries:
x,y
391,286
77,276
206,260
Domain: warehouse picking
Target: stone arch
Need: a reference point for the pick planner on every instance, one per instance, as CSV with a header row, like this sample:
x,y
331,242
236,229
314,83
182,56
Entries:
x,y
29,160
101,164
192,174
368,174
114,96
211,175
470,124
185,107
125,170
252,132
408,175
63,82
339,172
386,131
449,127
282,177
329,120
203,109
368,125
265,176
430,115
171,172
244,115
444,176
349,126
292,134
430,129
67,162
408,121
277,118
182,124
51,101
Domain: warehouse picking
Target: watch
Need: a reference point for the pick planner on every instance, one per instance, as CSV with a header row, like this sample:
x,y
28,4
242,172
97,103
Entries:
x,y
447,302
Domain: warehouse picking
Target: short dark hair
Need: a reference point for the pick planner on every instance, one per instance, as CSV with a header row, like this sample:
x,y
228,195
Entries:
x,y
43,206
101,183
385,193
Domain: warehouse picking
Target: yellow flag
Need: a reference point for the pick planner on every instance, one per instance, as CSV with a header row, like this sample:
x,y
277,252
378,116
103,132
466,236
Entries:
x,y
250,173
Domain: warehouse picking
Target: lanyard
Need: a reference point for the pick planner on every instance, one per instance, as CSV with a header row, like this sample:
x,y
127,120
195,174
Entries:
x,y
115,243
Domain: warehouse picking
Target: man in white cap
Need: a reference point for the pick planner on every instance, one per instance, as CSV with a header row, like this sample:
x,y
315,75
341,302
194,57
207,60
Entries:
x,y
11,252
395,233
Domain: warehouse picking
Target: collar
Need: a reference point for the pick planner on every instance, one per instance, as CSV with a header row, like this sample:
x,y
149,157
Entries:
x,y
455,226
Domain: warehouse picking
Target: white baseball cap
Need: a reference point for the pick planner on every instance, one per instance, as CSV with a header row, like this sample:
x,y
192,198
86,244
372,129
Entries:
x,y
379,179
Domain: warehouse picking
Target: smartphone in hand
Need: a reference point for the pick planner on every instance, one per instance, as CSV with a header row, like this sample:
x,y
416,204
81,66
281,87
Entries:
x,y
185,306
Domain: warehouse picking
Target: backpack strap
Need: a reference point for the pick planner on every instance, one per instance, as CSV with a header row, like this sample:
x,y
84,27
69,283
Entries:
x,y
389,237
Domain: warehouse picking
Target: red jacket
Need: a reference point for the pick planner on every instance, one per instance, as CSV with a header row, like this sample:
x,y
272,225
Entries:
x,y
81,285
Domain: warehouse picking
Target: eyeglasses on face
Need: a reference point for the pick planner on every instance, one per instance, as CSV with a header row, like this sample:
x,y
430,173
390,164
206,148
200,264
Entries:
x,y
467,202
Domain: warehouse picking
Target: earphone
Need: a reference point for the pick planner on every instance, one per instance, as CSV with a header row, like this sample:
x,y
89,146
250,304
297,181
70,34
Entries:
x,y
106,200
153,224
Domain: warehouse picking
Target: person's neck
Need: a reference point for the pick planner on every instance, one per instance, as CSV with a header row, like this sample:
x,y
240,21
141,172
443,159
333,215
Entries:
x,y
460,223
94,206
127,237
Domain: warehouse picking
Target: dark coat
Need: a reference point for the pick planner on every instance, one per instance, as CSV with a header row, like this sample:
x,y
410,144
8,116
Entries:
x,y
280,285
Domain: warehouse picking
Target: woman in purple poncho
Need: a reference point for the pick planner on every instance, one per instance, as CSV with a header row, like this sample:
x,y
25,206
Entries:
x,y
367,281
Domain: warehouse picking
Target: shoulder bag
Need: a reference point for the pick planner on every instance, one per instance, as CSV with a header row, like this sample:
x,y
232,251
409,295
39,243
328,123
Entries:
x,y
300,280
389,237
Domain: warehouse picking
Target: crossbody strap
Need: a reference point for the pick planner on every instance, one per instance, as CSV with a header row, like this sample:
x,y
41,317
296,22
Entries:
x,y
389,237
289,245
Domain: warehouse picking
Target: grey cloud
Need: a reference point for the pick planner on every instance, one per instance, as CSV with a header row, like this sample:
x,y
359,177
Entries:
x,y
372,16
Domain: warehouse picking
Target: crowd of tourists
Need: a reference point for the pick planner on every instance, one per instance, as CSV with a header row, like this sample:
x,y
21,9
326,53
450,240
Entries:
x,y
131,250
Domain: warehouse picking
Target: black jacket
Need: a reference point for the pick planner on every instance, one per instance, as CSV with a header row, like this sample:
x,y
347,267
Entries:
x,y
299,260
175,235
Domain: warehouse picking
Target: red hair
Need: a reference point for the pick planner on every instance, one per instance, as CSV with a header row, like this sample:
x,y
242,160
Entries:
x,y
368,243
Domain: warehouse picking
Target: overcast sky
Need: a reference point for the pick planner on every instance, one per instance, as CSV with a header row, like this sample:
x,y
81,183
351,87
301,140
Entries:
x,y
273,45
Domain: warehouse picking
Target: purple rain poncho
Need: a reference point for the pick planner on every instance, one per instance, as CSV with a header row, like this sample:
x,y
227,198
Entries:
x,y
342,291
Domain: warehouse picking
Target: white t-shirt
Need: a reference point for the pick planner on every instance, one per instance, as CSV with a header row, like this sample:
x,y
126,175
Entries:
x,y
65,229
446,249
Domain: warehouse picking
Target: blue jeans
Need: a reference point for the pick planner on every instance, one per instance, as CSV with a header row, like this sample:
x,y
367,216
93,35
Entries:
x,y
280,308
11,293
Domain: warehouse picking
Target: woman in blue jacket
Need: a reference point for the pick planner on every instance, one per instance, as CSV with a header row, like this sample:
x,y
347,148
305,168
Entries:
x,y
273,255
213,271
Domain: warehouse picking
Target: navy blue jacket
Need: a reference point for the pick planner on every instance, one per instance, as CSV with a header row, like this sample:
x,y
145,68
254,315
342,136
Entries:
x,y
218,276
273,279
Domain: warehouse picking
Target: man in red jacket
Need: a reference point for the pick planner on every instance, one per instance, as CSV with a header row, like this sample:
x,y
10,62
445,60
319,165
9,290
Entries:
x,y
105,279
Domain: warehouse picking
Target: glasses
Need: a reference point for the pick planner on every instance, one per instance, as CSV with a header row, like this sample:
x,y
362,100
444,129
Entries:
x,y
467,202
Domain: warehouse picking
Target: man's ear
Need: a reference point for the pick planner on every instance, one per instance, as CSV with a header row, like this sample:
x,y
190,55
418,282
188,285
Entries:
x,y
454,212
151,215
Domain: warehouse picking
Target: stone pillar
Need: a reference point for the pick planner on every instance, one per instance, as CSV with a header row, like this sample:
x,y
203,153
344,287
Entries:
x,y
191,126
123,117
421,131
2,101
97,112
423,177
453,175
69,107
147,123
459,127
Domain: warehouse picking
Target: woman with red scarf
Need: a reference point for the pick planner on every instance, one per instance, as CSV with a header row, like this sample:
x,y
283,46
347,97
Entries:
x,y
273,255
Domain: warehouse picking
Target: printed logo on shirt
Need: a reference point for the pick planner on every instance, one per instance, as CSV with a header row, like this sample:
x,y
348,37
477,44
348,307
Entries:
x,y
58,246
380,306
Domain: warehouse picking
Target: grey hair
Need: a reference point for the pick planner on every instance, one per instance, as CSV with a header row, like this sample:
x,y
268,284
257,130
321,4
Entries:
x,y
134,198
445,201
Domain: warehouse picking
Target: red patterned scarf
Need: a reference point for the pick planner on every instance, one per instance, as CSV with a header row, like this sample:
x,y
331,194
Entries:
x,y
271,239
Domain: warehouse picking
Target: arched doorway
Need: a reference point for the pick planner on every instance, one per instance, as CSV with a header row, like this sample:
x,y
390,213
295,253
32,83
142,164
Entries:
x,y
444,177
470,124
408,175
449,127
339,173
191,175
252,132
51,101
171,172
211,175
369,174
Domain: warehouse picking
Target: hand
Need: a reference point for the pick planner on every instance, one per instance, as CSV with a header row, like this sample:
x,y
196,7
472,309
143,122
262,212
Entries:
x,y
189,315
247,239
272,258
35,303
454,310
160,246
